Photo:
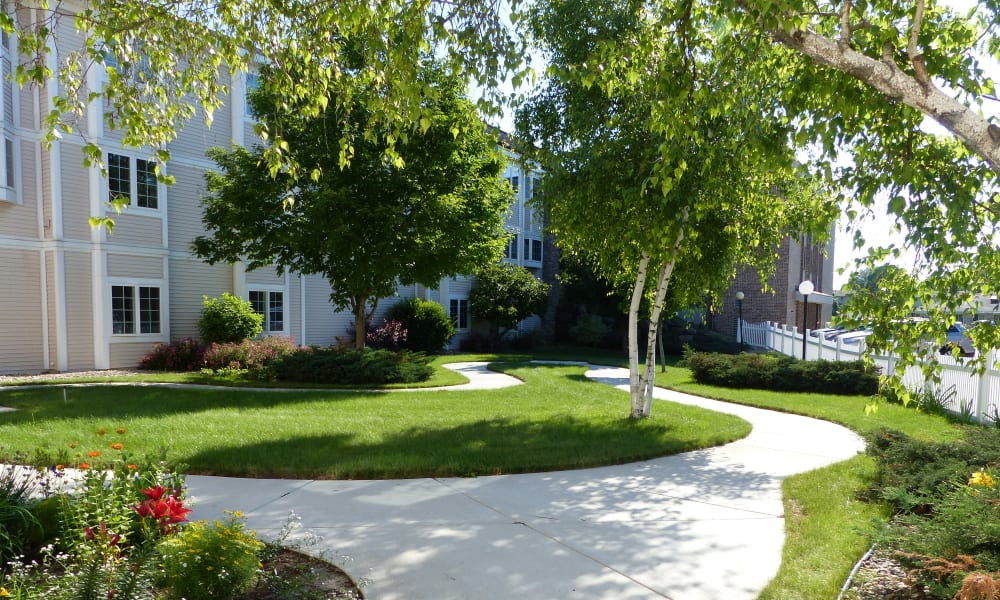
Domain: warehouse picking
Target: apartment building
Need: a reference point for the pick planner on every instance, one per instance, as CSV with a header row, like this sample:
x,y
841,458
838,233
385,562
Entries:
x,y
76,297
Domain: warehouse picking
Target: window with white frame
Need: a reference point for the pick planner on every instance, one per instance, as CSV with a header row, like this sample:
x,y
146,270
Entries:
x,y
514,183
135,310
271,305
133,180
533,250
511,250
458,310
252,84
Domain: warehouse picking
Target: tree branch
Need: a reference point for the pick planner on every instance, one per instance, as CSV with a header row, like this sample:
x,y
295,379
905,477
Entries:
x,y
845,23
913,50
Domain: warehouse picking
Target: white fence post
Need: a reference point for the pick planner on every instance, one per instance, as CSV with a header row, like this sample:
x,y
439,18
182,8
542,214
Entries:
x,y
983,393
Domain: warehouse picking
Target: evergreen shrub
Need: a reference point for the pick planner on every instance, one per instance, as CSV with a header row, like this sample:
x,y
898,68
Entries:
x,y
334,365
427,324
782,373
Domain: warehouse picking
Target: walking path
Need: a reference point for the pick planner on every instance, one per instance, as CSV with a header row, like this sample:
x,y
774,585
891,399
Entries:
x,y
704,525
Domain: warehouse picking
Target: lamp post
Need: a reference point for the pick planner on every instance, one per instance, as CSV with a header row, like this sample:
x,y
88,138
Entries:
x,y
805,288
739,306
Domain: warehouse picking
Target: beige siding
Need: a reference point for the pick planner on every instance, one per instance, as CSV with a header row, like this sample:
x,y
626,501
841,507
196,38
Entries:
x,y
79,311
323,323
190,280
75,195
266,276
184,207
196,136
293,308
138,230
135,267
128,355
18,220
68,41
50,276
20,313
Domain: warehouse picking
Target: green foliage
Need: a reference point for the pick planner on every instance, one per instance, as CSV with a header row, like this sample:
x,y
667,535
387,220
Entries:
x,y
228,319
210,561
16,516
782,373
251,358
347,366
180,355
166,63
590,330
505,294
367,226
427,324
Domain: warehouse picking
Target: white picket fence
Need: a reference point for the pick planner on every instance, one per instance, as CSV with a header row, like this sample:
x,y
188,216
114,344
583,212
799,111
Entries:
x,y
965,390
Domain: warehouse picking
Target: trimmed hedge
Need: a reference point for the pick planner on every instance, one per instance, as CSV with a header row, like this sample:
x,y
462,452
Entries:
x,y
428,327
228,319
348,366
782,373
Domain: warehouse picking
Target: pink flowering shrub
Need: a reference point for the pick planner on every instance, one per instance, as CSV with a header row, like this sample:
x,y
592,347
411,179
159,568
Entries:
x,y
391,335
183,355
251,356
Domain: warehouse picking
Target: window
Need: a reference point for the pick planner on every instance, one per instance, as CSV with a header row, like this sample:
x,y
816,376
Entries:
x,y
511,251
272,306
8,162
513,183
144,188
129,317
458,310
533,250
253,84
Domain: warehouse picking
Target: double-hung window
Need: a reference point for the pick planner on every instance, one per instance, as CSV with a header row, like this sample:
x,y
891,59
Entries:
x,y
511,251
252,84
135,309
271,305
133,181
458,310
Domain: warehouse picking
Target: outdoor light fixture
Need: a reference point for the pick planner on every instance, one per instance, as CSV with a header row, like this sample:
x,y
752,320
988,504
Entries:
x,y
805,288
739,305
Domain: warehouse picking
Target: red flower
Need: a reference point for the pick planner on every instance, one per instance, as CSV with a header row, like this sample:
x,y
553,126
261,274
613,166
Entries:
x,y
164,509
154,493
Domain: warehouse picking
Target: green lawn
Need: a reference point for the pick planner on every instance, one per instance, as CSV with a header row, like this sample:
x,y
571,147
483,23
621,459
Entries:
x,y
557,420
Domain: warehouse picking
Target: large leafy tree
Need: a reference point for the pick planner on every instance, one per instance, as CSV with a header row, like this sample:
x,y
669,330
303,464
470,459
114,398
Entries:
x,y
667,161
166,60
373,224
506,294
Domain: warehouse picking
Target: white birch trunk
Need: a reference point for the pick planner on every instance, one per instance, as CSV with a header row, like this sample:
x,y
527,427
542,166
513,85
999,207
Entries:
x,y
648,379
633,337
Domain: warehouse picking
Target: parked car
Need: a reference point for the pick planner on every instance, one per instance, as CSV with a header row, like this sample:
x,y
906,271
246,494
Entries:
x,y
958,337
821,332
833,333
854,338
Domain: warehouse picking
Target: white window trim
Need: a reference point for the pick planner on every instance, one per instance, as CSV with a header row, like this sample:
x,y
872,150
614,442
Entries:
x,y
285,297
247,111
133,206
468,317
135,284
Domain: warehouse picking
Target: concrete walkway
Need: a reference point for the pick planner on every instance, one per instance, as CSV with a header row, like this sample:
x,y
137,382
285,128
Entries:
x,y
704,525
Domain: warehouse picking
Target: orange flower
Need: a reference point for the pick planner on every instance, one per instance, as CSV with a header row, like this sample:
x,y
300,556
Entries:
x,y
131,467
118,446
120,430
94,453
60,467
101,431
84,466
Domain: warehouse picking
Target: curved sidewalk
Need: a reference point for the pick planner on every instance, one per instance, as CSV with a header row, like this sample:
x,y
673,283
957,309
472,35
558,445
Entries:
x,y
704,525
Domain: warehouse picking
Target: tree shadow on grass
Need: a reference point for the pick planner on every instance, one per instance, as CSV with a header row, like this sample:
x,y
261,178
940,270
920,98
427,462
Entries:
x,y
487,447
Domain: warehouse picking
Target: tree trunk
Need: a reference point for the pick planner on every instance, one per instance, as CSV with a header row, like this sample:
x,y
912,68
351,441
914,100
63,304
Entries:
x,y
360,322
633,337
649,376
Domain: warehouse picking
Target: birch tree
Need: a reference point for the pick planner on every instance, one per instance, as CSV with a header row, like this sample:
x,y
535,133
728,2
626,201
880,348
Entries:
x,y
650,176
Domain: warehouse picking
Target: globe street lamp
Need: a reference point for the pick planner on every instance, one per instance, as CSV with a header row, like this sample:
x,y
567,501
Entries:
x,y
805,288
739,306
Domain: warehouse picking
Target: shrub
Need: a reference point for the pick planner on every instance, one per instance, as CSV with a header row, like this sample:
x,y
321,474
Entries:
x,y
427,324
183,355
16,517
228,319
782,373
348,366
210,561
249,357
590,330
390,336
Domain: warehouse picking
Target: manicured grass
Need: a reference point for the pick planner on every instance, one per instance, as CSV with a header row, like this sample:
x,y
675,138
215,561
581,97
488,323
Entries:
x,y
557,420
825,520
